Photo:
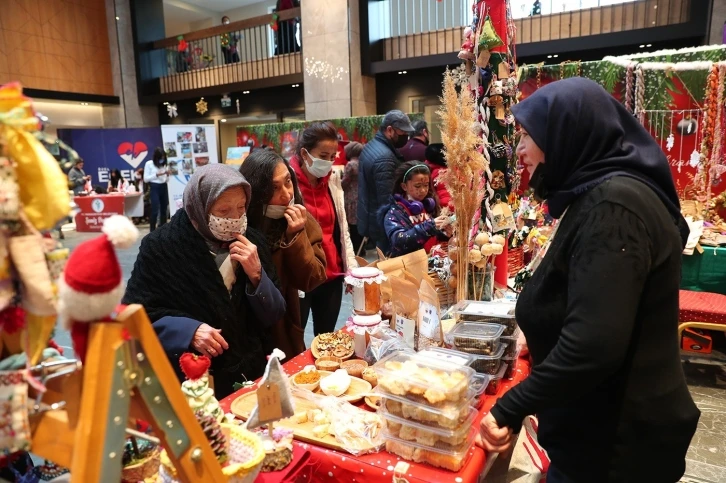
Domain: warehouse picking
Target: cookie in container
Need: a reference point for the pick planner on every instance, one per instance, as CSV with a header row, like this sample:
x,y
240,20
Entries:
x,y
497,312
474,338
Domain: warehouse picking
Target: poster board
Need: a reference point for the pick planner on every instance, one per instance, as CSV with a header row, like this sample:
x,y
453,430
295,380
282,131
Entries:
x,y
187,147
105,149
237,155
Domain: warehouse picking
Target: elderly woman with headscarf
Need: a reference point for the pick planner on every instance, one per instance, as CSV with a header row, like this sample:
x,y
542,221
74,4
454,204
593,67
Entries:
x,y
600,313
207,282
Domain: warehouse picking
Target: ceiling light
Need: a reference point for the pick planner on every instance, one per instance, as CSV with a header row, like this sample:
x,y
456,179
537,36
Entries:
x,y
245,92
118,18
556,55
649,45
296,85
642,46
222,120
549,56
405,72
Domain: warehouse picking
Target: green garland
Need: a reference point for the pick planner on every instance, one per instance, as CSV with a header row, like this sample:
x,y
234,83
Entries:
x,y
355,128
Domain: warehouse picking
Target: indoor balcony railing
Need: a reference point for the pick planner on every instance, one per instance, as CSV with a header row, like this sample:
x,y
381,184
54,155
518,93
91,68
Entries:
x,y
413,28
253,49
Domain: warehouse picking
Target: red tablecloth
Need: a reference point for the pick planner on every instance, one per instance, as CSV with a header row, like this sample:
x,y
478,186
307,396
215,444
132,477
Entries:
x,y
325,465
702,307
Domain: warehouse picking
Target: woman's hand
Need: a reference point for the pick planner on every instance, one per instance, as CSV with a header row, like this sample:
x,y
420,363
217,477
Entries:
x,y
491,437
245,252
208,340
296,216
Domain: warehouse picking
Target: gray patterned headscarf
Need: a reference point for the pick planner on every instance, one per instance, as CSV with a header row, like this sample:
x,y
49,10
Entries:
x,y
204,188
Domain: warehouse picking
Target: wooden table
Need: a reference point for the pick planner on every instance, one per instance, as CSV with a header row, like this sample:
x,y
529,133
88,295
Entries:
x,y
325,465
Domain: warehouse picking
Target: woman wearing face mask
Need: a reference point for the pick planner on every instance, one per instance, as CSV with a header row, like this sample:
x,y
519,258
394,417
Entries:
x,y
292,234
411,220
207,282
156,175
323,196
600,313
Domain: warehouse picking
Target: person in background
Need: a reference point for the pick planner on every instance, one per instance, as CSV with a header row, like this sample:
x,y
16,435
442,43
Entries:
x,y
285,37
350,190
208,282
601,312
378,163
116,182
323,196
437,163
156,175
77,178
411,220
228,41
415,150
294,237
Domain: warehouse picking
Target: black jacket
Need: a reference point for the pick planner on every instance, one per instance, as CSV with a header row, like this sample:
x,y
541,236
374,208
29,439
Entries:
x,y
177,281
376,168
601,319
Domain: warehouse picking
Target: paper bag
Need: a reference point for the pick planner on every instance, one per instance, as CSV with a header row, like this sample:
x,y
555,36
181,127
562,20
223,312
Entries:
x,y
529,460
405,309
430,333
417,263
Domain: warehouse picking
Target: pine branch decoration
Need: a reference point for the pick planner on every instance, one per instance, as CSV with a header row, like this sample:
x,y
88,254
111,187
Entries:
x,y
465,162
213,432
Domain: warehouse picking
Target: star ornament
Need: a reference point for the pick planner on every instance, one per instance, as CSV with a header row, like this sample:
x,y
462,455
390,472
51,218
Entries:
x,y
202,106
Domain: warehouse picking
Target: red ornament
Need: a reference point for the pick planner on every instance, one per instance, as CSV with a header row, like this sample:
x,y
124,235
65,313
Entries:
x,y
79,336
182,47
54,345
12,319
194,366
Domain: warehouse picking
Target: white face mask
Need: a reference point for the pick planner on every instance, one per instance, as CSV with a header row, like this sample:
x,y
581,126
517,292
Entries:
x,y
227,229
320,168
275,212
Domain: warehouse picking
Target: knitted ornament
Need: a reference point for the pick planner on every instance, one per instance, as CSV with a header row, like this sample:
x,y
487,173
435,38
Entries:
x,y
215,436
92,284
200,396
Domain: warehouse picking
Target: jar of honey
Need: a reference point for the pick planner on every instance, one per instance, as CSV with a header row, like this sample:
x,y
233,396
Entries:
x,y
366,283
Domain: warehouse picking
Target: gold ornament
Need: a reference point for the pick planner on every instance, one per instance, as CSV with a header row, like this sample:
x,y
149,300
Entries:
x,y
202,106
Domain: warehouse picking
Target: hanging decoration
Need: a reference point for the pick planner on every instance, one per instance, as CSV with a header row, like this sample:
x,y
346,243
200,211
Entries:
x,y
202,106
182,45
273,22
171,110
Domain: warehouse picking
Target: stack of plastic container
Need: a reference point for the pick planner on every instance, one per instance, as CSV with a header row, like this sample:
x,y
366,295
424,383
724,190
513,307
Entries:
x,y
489,330
426,404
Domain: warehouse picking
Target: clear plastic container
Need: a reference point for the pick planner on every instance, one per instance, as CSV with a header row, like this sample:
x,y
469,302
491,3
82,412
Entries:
x,y
448,355
496,381
446,415
511,363
474,338
423,380
489,364
430,435
498,312
452,458
511,340
479,385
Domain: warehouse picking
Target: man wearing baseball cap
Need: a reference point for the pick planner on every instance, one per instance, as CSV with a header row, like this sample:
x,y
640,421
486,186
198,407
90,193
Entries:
x,y
376,168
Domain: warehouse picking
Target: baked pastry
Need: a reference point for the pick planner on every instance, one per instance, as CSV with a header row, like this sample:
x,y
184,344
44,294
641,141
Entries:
x,y
278,449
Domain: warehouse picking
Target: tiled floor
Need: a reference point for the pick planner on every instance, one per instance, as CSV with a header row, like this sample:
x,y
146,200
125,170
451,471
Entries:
x,y
706,459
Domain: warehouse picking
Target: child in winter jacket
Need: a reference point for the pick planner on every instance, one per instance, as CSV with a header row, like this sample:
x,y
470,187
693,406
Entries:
x,y
411,221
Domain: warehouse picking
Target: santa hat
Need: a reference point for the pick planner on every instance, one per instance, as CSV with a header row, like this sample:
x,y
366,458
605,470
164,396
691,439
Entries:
x,y
92,284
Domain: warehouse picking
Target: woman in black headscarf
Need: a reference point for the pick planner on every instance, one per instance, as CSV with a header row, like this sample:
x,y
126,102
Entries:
x,y
601,312
207,281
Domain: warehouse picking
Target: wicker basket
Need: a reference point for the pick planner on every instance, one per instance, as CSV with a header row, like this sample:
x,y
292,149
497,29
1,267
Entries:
x,y
515,260
242,446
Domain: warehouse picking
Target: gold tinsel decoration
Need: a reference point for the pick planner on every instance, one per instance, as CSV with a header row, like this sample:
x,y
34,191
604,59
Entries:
x,y
202,106
465,162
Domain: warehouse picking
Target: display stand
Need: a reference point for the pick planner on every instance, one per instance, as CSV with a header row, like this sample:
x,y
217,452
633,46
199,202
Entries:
x,y
126,375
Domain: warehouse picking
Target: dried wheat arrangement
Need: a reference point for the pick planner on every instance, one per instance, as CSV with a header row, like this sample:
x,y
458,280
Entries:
x,y
463,148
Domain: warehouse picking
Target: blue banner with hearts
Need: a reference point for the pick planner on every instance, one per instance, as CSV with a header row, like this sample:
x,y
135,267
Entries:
x,y
105,149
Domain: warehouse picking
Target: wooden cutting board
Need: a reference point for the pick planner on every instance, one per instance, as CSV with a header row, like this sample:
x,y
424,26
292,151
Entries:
x,y
242,408
357,390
